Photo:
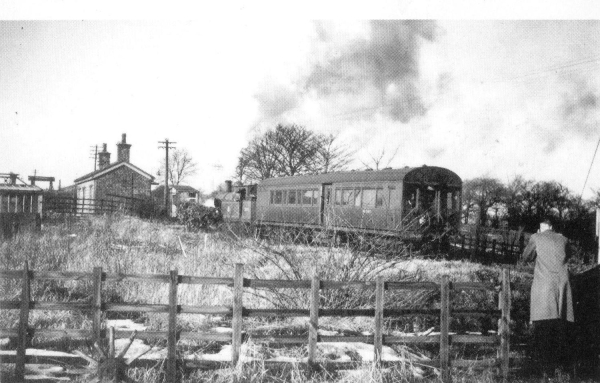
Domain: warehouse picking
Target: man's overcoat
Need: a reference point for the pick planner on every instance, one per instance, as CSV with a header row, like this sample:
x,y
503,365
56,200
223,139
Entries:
x,y
551,296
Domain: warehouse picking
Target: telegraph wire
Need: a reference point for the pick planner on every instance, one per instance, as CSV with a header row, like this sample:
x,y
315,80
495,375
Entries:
x,y
590,169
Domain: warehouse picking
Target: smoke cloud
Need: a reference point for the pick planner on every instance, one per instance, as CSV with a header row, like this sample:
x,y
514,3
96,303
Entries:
x,y
276,99
580,109
375,67
384,64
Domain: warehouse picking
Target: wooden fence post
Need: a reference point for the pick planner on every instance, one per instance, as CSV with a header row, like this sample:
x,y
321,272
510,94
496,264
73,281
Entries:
x,y
521,244
313,328
445,329
378,336
23,326
97,303
112,368
484,248
505,303
236,321
473,248
172,336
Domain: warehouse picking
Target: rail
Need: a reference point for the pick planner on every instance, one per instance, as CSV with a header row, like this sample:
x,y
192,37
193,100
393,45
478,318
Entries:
x,y
238,312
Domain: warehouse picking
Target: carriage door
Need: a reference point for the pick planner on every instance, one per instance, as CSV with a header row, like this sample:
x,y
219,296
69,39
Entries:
x,y
326,204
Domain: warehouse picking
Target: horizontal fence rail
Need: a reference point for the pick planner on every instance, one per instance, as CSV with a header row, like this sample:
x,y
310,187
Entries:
x,y
237,312
70,205
488,249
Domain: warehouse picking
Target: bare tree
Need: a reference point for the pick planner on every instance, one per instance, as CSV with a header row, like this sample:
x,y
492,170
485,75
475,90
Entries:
x,y
332,155
381,160
484,193
289,150
181,166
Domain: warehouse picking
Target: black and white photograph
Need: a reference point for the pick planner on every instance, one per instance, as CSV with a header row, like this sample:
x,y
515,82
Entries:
x,y
258,193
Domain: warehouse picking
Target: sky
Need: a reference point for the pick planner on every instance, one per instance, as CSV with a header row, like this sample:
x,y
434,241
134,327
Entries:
x,y
495,98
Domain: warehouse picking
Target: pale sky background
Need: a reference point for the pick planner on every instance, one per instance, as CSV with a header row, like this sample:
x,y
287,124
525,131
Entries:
x,y
482,98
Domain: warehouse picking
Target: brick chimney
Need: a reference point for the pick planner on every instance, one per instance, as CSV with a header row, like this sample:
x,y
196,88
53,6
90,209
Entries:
x,y
13,178
123,149
103,158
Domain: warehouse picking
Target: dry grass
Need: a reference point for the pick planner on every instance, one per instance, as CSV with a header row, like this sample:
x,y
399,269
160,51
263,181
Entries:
x,y
130,245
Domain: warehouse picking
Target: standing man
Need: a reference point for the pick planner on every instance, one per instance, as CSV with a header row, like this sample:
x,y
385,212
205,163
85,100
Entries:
x,y
551,298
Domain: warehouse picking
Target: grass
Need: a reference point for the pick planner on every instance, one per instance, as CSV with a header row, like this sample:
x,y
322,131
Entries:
x,y
131,245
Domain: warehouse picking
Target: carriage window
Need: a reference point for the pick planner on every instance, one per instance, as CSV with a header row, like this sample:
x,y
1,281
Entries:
x,y
307,196
284,197
278,197
449,206
347,196
271,199
368,198
379,198
457,201
315,197
291,197
372,198
357,197
394,202
338,196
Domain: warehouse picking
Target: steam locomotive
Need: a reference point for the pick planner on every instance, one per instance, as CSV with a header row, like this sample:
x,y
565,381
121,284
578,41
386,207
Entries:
x,y
410,203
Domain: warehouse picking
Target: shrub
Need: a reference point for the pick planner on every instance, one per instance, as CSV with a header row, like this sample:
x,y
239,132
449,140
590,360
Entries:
x,y
198,217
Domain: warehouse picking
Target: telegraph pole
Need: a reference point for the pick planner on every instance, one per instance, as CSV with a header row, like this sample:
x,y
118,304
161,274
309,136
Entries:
x,y
94,155
167,145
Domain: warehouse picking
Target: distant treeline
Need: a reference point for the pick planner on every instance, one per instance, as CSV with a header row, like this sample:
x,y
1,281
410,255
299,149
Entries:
x,y
521,203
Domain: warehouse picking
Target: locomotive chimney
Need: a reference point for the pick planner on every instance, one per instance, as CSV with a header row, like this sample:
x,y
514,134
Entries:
x,y
103,158
123,149
228,186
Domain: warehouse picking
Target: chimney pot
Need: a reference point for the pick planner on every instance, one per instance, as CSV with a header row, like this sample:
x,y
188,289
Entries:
x,y
103,158
123,149
228,186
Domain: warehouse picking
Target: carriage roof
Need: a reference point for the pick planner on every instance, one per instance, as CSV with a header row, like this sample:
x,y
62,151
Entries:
x,y
420,175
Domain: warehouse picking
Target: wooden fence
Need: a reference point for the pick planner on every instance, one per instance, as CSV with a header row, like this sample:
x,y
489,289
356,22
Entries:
x,y
237,312
487,250
67,205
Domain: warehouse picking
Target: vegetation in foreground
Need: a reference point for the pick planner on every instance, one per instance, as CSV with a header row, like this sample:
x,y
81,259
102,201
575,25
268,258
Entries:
x,y
130,245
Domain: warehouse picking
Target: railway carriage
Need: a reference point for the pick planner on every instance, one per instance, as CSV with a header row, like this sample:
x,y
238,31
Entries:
x,y
404,203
